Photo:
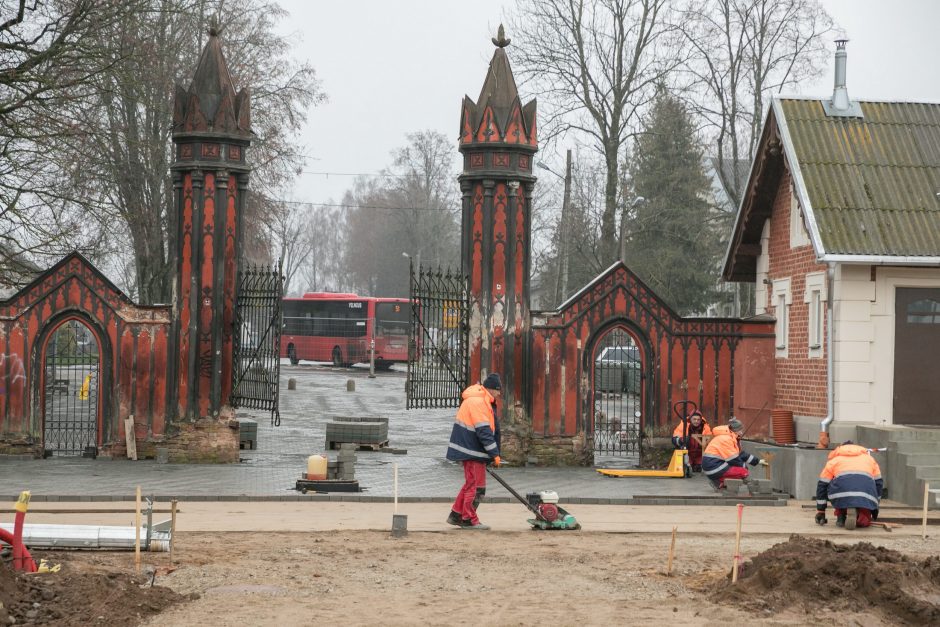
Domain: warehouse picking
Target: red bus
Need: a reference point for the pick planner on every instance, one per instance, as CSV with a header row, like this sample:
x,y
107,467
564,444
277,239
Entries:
x,y
339,327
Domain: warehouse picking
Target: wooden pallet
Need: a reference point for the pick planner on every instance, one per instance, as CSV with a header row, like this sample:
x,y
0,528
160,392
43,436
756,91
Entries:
x,y
360,446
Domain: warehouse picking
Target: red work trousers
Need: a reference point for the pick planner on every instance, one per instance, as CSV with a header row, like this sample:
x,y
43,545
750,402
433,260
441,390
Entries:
x,y
474,481
862,520
734,472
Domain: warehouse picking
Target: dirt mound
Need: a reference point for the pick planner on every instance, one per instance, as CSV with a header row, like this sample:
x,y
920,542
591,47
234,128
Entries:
x,y
79,597
817,574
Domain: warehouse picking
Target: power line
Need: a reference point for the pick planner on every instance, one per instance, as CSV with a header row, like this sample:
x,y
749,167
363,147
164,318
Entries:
x,y
353,206
376,174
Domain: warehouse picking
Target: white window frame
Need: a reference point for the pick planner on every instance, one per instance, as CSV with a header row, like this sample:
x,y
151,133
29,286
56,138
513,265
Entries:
x,y
782,299
815,297
798,234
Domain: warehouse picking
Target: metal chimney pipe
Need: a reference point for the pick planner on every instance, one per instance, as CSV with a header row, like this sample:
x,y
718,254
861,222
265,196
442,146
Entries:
x,y
840,95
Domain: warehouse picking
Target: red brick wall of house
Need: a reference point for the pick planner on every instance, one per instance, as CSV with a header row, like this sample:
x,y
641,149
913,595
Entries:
x,y
800,381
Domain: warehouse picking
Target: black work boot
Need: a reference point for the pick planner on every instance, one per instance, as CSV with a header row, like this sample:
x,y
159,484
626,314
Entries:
x,y
840,521
454,519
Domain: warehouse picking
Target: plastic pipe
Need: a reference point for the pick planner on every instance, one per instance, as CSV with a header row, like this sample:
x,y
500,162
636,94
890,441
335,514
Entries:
x,y
26,558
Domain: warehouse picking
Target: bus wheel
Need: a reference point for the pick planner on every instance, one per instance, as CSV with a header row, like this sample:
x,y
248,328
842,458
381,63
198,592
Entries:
x,y
383,365
337,357
292,355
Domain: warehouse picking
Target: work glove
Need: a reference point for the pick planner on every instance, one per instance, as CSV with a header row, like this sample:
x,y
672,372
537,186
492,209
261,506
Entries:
x,y
497,461
821,518
763,462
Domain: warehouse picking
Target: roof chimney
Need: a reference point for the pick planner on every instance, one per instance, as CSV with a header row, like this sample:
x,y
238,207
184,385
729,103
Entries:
x,y
840,105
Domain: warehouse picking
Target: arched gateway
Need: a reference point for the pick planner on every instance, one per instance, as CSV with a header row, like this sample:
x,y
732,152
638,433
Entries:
x,y
82,363
574,378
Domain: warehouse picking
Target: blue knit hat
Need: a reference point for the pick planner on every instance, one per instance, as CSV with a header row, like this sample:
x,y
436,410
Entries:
x,y
492,381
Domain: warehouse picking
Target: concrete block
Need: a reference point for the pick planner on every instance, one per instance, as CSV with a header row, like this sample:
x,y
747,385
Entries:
x,y
733,485
744,491
351,385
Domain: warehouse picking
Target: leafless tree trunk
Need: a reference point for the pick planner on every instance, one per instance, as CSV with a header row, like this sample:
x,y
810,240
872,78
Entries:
x,y
594,65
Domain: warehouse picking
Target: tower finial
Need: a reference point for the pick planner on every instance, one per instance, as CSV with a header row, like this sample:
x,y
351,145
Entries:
x,y
215,29
501,41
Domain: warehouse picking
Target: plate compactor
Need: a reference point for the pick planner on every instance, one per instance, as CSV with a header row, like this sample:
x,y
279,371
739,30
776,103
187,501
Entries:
x,y
544,504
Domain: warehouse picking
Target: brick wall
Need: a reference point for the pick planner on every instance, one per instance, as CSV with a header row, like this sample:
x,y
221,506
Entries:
x,y
800,380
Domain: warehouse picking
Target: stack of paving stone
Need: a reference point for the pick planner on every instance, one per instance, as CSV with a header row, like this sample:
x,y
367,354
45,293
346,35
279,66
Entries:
x,y
344,467
362,431
247,433
753,486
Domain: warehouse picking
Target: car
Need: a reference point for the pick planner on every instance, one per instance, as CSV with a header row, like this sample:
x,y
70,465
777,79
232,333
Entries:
x,y
618,369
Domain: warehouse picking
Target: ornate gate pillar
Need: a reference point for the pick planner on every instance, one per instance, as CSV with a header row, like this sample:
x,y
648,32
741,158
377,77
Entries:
x,y
498,142
211,132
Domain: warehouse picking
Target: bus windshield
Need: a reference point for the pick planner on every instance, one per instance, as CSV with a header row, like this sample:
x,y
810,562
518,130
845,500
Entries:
x,y
392,318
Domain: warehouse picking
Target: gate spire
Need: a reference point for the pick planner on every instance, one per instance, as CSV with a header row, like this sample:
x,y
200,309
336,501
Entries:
x,y
498,141
211,133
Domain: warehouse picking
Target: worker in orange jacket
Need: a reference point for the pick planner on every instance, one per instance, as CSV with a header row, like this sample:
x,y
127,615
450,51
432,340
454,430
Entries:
x,y
852,480
696,425
723,458
474,442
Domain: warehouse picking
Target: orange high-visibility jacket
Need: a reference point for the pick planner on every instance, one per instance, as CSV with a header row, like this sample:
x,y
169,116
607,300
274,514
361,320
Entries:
x,y
475,435
723,452
704,429
851,478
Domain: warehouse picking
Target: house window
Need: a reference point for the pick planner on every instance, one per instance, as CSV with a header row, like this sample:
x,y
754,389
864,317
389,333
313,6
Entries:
x,y
815,297
782,301
926,311
798,234
781,322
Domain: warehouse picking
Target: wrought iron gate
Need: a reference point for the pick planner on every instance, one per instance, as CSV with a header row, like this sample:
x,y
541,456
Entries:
x,y
256,369
70,391
618,368
438,344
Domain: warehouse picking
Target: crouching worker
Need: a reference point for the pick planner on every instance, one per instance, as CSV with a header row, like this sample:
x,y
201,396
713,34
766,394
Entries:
x,y
723,458
474,442
852,480
696,425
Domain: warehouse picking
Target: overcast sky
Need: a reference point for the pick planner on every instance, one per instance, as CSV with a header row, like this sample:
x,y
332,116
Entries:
x,y
391,67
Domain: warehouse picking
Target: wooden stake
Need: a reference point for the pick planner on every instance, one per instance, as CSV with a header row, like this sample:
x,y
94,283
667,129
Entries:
x,y
770,458
395,489
672,552
923,532
130,437
137,533
172,527
737,546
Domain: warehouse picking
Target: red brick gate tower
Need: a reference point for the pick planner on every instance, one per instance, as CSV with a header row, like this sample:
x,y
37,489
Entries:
x,y
498,142
211,132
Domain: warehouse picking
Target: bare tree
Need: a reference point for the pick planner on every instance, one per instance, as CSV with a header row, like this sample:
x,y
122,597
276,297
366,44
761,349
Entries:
x,y
411,207
50,54
743,52
594,66
124,147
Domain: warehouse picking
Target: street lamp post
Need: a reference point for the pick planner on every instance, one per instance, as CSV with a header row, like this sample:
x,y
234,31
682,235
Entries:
x,y
561,283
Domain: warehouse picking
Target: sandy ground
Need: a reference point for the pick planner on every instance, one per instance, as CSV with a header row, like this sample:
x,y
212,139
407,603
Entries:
x,y
336,563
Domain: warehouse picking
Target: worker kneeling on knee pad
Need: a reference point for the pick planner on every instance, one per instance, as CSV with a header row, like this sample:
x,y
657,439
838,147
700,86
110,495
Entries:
x,y
852,481
723,458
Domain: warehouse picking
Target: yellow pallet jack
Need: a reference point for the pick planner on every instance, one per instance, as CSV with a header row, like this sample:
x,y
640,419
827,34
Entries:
x,y
679,463
676,468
